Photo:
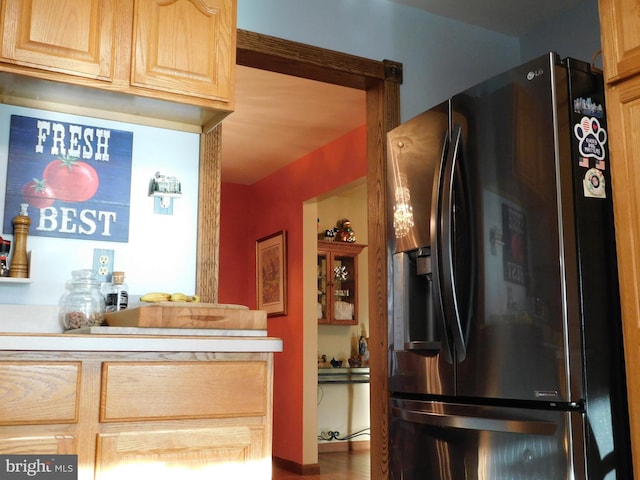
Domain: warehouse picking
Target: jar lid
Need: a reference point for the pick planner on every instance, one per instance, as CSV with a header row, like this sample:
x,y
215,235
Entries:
x,y
118,277
84,276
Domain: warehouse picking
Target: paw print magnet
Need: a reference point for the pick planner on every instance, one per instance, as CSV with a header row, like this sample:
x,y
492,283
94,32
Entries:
x,y
591,140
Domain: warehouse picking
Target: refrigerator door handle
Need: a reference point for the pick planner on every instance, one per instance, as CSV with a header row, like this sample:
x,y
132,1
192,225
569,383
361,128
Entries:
x,y
436,250
479,423
445,294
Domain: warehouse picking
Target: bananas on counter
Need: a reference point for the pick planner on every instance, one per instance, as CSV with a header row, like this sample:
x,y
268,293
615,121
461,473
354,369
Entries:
x,y
155,297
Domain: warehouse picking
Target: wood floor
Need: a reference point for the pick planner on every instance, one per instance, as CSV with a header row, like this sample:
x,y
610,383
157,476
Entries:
x,y
334,466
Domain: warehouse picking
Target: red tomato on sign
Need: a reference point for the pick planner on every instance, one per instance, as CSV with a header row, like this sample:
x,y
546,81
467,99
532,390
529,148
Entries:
x,y
38,194
71,180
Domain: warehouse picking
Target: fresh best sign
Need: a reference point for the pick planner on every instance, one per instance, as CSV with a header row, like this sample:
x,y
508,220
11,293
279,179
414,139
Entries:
x,y
76,179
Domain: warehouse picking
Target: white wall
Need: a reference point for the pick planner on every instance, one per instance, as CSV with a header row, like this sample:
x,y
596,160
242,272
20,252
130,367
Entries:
x,y
440,56
160,253
575,33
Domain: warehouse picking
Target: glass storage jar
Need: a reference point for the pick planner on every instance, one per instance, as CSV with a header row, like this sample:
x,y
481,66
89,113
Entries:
x,y
83,304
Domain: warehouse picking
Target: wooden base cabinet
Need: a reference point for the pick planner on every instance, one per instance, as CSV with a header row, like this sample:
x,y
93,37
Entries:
x,y
216,452
141,415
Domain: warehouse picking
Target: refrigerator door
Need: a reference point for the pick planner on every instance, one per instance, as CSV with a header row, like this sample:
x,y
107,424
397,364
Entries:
x,y
420,353
518,338
440,441
422,157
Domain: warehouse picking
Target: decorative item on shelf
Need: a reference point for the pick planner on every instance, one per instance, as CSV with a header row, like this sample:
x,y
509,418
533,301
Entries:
x,y
20,261
363,350
330,234
322,360
344,231
165,188
336,363
341,273
5,248
354,362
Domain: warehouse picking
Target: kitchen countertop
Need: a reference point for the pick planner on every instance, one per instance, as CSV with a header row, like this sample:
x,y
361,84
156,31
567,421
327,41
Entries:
x,y
136,343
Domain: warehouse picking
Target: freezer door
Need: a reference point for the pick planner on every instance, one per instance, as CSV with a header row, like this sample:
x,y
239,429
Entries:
x,y
439,441
522,339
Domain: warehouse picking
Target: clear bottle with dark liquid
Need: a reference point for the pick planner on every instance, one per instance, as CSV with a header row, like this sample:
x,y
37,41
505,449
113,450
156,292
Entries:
x,y
117,295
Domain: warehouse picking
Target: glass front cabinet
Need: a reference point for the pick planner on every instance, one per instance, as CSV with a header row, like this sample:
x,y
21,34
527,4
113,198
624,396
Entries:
x,y
338,282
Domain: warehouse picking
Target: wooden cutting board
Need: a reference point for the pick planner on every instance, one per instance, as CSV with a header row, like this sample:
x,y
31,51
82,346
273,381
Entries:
x,y
189,315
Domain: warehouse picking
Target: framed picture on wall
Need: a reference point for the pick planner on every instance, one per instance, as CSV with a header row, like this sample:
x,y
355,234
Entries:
x,y
271,273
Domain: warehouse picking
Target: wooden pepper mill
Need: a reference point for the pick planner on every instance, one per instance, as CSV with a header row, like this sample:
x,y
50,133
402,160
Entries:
x,y
19,267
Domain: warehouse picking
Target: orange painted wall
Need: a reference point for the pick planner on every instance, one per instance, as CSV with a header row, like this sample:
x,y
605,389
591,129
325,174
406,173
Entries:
x,y
273,204
237,245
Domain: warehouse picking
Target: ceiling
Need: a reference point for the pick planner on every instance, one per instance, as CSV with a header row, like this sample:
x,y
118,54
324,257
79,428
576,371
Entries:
x,y
279,118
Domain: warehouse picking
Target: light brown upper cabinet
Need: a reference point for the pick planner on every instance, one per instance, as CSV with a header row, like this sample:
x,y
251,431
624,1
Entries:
x,y
184,47
166,52
75,37
620,38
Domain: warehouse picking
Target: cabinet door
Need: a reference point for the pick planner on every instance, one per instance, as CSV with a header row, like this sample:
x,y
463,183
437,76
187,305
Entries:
x,y
44,443
38,393
323,288
185,47
344,289
69,36
232,452
623,116
620,32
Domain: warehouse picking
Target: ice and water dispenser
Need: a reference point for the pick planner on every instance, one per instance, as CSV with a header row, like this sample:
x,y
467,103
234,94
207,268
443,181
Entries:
x,y
414,322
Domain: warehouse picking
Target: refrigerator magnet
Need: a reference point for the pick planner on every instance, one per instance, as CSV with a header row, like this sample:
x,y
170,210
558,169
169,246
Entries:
x,y
593,184
591,138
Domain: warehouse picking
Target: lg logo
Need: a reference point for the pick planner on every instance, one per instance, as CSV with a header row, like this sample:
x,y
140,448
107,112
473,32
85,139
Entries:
x,y
534,73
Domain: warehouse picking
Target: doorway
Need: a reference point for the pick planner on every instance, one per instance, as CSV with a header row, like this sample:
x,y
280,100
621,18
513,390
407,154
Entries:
x,y
381,82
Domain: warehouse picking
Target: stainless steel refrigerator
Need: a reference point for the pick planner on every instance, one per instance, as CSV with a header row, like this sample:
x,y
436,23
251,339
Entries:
x,y
505,341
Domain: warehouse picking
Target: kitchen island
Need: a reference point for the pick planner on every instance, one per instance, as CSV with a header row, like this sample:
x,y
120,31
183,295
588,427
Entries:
x,y
140,406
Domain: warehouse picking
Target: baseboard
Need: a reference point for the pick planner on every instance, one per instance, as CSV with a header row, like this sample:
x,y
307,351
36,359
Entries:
x,y
343,446
297,468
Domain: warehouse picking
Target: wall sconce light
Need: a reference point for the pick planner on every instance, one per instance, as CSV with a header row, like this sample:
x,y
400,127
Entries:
x,y
165,188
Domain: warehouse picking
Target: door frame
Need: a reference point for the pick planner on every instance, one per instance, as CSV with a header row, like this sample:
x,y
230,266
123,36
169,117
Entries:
x,y
381,81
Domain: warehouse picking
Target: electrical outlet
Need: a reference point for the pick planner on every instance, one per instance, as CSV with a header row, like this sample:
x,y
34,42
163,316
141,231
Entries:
x,y
103,264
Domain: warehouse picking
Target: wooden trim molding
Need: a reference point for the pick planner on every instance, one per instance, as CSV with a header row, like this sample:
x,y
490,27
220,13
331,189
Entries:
x,y
381,81
208,243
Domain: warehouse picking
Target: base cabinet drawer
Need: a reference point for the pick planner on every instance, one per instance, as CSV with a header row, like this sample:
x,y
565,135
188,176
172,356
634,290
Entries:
x,y
224,452
182,390
39,393
51,444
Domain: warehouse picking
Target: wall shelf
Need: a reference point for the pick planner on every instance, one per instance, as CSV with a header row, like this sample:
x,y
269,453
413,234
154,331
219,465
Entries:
x,y
343,375
14,280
